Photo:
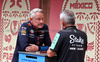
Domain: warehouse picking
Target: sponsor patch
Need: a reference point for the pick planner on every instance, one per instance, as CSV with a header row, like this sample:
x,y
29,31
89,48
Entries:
x,y
32,31
31,35
23,31
29,24
42,31
23,28
41,35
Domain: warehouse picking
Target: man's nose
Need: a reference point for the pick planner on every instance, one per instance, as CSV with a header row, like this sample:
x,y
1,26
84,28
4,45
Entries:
x,y
41,21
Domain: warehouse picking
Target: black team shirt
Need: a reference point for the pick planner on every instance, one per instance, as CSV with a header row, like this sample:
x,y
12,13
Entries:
x,y
70,45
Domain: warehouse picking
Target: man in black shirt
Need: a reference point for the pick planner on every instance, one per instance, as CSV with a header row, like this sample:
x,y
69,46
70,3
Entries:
x,y
70,44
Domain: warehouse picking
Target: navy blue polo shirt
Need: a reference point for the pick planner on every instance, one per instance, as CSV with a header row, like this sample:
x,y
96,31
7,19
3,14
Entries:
x,y
29,35
70,45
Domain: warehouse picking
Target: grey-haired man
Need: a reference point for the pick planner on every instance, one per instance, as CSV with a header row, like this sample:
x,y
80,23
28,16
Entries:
x,y
32,35
70,44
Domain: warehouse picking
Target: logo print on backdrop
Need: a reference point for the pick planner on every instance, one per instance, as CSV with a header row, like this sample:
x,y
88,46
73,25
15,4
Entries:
x,y
14,13
87,15
8,38
13,28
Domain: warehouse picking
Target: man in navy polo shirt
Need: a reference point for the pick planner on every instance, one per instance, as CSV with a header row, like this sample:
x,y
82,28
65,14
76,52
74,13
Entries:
x,y
70,44
32,35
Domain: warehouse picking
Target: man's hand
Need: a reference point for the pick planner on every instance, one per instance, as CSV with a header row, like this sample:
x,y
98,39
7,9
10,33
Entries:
x,y
32,48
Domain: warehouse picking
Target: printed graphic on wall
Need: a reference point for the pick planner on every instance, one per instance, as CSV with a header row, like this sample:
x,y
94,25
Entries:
x,y
87,14
14,13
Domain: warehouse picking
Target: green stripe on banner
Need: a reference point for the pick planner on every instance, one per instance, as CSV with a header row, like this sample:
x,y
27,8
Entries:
x,y
55,41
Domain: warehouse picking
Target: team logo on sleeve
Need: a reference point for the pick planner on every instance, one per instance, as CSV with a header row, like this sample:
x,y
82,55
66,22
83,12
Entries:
x,y
23,27
23,31
55,41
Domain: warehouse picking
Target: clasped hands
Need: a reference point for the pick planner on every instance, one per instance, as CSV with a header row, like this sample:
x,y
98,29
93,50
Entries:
x,y
32,48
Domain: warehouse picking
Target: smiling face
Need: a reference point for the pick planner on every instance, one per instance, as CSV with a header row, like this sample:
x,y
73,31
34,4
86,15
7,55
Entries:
x,y
38,20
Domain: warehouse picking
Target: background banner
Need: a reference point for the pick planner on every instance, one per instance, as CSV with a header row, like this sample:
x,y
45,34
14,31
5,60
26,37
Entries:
x,y
13,14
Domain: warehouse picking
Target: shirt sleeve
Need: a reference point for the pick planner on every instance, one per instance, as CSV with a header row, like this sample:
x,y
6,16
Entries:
x,y
23,37
57,42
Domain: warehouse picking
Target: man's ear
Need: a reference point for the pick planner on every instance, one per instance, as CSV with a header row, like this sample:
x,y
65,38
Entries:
x,y
30,18
63,23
